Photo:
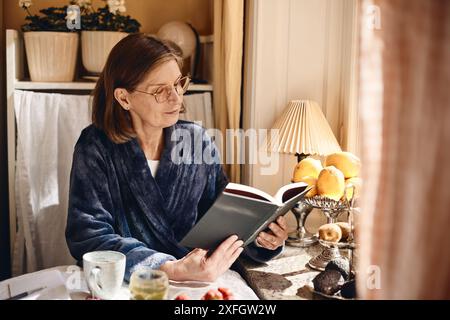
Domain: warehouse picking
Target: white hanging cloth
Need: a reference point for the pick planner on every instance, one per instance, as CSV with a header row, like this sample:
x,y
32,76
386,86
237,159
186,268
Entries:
x,y
199,109
48,126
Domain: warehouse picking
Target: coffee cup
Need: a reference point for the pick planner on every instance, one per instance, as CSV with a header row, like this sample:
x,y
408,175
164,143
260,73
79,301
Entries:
x,y
104,272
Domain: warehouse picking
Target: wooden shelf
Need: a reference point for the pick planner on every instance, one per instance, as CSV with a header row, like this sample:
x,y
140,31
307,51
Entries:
x,y
86,85
207,39
29,85
200,87
15,70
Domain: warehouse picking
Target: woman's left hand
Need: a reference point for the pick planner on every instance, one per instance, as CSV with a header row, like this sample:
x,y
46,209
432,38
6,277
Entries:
x,y
275,238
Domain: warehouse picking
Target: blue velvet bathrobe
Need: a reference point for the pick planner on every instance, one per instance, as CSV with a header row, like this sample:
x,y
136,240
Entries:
x,y
116,204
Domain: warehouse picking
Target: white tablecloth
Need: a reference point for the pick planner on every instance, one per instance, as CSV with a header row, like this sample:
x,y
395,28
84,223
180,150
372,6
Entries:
x,y
67,283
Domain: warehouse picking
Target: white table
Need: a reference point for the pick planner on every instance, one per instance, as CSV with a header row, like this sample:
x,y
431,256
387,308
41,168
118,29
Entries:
x,y
67,283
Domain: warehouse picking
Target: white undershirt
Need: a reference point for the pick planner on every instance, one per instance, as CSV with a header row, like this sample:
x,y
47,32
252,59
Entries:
x,y
153,164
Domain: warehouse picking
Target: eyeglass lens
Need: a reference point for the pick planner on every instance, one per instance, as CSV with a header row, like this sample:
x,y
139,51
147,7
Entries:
x,y
163,93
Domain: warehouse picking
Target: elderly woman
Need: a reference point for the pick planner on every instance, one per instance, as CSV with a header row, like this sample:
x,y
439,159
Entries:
x,y
127,192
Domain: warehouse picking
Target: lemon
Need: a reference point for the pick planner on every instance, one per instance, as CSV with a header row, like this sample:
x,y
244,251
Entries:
x,y
349,184
311,181
347,162
331,183
308,167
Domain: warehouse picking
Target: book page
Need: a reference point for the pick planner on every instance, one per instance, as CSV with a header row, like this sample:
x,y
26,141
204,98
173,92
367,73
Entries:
x,y
250,192
288,191
283,194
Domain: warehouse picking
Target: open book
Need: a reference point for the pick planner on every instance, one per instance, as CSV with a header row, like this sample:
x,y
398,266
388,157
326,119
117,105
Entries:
x,y
244,211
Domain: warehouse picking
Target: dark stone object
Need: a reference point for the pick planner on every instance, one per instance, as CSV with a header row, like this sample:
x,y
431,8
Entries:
x,y
328,282
342,265
348,290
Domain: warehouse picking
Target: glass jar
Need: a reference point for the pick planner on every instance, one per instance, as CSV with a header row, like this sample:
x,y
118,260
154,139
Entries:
x,y
148,284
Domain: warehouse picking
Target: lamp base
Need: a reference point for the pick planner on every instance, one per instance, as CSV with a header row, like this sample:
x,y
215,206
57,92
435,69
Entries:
x,y
301,156
300,237
302,240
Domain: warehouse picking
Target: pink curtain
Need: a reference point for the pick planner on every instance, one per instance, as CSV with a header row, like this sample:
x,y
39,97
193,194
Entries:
x,y
405,110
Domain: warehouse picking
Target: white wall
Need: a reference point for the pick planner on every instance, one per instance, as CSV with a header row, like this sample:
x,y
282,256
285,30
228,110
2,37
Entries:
x,y
296,49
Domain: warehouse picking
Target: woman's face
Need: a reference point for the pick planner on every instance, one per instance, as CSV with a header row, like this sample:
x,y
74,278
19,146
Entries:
x,y
146,109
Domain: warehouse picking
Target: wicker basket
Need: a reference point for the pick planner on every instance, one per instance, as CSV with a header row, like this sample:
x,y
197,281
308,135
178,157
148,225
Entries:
x,y
96,46
51,56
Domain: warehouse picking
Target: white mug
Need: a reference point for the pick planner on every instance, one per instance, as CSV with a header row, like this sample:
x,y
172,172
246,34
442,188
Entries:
x,y
104,272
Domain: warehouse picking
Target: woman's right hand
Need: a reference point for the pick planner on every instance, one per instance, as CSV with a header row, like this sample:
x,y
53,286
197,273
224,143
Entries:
x,y
198,266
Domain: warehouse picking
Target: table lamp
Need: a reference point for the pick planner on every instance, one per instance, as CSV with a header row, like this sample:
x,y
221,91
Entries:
x,y
303,131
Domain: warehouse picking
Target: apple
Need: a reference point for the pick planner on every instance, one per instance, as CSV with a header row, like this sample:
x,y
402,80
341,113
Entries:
x,y
226,293
182,296
212,295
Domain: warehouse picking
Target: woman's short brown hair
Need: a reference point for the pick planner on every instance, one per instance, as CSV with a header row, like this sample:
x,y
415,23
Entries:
x,y
127,65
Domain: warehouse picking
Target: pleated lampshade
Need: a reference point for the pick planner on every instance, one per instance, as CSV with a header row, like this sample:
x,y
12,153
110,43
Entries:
x,y
303,129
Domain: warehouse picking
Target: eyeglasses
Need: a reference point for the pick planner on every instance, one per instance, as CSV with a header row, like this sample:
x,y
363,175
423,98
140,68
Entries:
x,y
163,93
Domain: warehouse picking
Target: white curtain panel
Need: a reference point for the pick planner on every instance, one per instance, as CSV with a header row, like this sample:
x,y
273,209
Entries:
x,y
199,109
48,126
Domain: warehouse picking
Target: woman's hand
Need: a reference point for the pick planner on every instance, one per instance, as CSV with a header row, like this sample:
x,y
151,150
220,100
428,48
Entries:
x,y
275,238
198,266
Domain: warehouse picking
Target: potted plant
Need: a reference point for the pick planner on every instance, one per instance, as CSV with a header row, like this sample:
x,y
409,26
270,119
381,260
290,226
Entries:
x,y
51,47
102,28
